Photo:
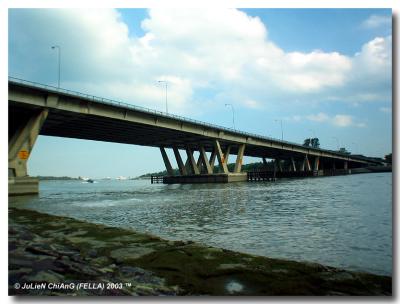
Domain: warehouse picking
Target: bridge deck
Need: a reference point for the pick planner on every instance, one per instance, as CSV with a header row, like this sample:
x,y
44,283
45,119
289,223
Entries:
x,y
77,115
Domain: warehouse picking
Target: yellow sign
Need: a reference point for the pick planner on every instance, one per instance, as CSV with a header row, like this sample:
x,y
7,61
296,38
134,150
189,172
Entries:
x,y
23,154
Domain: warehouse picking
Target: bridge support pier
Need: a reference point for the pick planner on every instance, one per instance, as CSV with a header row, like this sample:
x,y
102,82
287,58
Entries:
x,y
167,163
23,132
293,164
181,166
202,170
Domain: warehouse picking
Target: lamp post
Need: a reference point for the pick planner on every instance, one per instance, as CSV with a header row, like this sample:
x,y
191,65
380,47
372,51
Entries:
x,y
59,61
337,141
166,94
233,114
276,120
355,147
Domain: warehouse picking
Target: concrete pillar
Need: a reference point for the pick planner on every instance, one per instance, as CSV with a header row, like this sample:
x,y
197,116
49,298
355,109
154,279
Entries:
x,y
226,156
279,164
168,166
199,164
21,143
316,163
307,163
345,165
204,160
334,166
264,162
179,161
212,159
239,159
192,161
303,164
293,164
220,157
22,138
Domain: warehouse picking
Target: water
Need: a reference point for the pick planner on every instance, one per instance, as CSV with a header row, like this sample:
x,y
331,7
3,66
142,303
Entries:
x,y
342,221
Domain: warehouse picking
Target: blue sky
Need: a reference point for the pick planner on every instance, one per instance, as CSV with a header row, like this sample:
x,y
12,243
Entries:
x,y
323,72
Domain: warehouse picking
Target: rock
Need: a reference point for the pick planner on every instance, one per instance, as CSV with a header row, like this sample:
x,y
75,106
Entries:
x,y
131,253
92,253
45,276
231,266
100,261
43,249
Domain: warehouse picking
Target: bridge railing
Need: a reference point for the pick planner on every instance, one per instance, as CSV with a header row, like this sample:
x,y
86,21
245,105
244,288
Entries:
x,y
151,111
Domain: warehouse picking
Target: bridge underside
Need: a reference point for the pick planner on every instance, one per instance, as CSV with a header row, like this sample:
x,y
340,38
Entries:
x,y
34,112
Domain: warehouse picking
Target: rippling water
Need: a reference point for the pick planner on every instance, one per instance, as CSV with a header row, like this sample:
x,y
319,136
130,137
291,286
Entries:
x,y
343,221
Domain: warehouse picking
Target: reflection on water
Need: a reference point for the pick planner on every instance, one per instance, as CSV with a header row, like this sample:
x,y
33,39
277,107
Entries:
x,y
343,221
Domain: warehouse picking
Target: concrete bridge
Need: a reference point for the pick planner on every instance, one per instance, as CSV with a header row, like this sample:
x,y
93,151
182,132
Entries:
x,y
40,109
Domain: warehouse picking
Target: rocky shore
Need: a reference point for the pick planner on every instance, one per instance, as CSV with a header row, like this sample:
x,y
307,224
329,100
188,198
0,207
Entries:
x,y
50,255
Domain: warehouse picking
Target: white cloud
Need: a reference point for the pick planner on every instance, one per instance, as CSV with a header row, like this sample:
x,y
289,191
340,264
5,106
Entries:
x,y
385,109
320,117
339,120
223,50
376,21
342,120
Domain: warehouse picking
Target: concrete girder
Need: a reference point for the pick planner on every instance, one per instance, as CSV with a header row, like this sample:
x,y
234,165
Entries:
x,y
204,160
220,157
167,163
239,159
21,143
181,166
192,161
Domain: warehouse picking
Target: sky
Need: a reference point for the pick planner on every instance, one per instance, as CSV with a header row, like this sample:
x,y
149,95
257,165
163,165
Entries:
x,y
303,73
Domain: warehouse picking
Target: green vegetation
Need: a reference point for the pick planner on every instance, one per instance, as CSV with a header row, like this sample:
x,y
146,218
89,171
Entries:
x,y
311,142
388,158
55,177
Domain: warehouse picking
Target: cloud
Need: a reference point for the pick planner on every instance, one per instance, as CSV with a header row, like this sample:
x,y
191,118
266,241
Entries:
x,y
376,21
222,51
320,117
342,120
385,109
339,120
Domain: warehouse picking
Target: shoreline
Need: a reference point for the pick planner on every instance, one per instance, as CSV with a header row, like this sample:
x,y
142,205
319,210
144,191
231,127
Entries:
x,y
49,252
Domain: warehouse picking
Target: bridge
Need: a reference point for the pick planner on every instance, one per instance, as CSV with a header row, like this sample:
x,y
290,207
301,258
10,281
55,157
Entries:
x,y
37,109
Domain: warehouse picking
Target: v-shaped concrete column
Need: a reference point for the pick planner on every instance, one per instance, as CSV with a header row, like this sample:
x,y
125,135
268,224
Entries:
x,y
192,161
293,164
204,160
181,166
167,163
307,163
239,159
220,157
316,163
212,159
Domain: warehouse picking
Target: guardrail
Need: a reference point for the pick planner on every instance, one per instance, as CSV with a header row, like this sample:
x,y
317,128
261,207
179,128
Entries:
x,y
108,101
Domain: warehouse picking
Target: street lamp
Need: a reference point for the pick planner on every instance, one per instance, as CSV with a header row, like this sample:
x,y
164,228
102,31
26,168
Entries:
x,y
337,141
233,114
166,94
355,147
59,62
276,120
